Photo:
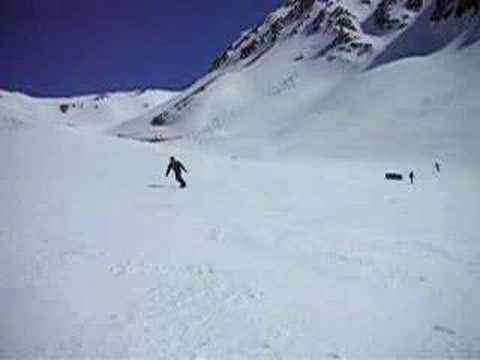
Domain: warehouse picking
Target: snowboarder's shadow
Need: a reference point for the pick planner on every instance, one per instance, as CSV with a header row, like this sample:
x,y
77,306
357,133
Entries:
x,y
160,186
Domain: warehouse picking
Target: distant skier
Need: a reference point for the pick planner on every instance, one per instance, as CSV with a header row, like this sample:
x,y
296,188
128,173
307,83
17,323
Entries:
x,y
177,168
411,175
437,167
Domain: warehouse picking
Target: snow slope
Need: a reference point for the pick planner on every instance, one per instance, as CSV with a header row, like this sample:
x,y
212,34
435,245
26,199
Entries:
x,y
287,243
100,112
413,98
102,257
298,253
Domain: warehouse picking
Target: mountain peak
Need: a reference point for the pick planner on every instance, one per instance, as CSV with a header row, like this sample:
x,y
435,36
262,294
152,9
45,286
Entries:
x,y
345,29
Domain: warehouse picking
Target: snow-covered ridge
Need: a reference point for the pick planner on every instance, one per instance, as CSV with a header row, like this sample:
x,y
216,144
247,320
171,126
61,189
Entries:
x,y
287,243
340,29
338,78
99,110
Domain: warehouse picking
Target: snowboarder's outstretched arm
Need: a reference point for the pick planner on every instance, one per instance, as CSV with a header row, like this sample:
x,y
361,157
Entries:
x,y
168,170
182,167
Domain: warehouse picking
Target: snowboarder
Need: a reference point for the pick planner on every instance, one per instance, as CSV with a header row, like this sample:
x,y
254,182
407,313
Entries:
x,y
411,175
437,167
177,168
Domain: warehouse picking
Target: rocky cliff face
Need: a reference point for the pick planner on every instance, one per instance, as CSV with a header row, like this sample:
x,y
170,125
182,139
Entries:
x,y
327,19
446,8
342,22
355,32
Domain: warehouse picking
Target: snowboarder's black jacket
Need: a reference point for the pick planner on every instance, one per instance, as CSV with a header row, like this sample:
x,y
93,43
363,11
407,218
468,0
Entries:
x,y
177,168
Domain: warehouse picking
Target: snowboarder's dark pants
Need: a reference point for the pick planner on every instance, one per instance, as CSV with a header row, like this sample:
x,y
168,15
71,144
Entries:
x,y
180,180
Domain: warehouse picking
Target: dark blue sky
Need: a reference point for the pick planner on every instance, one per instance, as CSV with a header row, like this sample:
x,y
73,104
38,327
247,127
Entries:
x,y
63,48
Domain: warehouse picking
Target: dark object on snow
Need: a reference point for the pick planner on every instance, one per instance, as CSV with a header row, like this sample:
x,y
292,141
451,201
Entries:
x,y
159,120
177,168
64,108
414,5
393,176
437,167
249,49
411,175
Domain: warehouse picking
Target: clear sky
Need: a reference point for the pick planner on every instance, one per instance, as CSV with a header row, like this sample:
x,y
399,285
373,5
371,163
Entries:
x,y
64,47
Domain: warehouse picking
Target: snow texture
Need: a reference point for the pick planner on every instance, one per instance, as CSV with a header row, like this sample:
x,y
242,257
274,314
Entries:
x,y
287,243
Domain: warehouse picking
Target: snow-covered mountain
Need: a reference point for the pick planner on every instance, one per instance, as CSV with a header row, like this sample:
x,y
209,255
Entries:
x,y
287,243
335,77
353,31
100,111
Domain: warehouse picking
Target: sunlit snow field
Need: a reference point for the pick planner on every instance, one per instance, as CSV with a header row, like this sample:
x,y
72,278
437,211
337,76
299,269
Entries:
x,y
287,243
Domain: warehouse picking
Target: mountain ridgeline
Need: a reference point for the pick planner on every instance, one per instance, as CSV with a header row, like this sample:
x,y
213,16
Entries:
x,y
334,18
354,34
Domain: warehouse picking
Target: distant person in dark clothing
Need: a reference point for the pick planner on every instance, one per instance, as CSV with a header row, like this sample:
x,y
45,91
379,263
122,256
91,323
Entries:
x,y
411,175
437,167
177,168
